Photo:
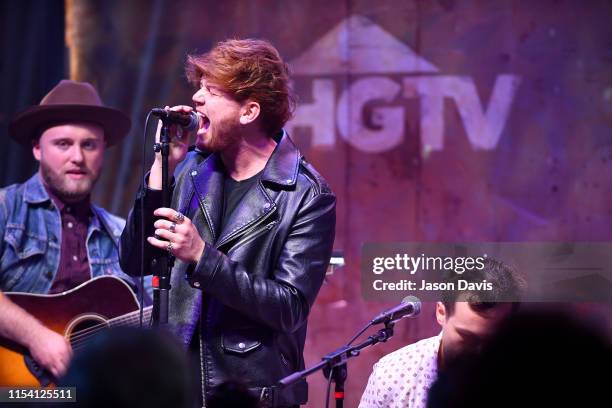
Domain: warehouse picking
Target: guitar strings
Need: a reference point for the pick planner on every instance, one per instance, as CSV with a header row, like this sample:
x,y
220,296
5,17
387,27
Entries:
x,y
81,338
133,317
129,318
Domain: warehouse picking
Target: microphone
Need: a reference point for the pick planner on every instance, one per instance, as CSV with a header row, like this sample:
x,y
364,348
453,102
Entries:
x,y
410,307
187,120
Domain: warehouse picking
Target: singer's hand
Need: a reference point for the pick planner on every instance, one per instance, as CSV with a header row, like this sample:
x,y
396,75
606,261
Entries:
x,y
179,143
182,235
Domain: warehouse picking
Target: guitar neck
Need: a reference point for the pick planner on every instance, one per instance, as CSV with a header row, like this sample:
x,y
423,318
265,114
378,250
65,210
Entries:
x,y
132,319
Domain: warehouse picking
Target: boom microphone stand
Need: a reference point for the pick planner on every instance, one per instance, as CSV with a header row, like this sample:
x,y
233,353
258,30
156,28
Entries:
x,y
334,363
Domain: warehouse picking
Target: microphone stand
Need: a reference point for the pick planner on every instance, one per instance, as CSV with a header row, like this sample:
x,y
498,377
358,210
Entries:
x,y
162,262
334,363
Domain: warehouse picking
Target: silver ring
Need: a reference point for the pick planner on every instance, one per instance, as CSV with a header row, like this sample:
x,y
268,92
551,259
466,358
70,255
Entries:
x,y
169,247
173,227
179,217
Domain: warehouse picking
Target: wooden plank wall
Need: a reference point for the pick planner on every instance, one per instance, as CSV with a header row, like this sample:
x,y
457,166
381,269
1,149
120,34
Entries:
x,y
448,120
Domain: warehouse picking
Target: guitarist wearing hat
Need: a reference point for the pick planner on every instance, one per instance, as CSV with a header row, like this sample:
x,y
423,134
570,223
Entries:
x,y
52,238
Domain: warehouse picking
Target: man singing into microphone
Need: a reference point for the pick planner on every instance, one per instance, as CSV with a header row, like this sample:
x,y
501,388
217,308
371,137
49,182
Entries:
x,y
251,224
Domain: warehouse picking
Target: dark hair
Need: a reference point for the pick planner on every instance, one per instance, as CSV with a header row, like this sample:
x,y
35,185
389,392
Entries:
x,y
248,69
507,286
129,367
535,358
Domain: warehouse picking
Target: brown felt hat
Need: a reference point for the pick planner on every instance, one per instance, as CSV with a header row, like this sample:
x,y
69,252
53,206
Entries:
x,y
68,102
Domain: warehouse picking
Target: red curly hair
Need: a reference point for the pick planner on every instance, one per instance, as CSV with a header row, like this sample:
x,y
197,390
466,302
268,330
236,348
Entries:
x,y
248,69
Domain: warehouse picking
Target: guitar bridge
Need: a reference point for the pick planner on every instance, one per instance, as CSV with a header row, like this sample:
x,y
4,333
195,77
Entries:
x,y
42,375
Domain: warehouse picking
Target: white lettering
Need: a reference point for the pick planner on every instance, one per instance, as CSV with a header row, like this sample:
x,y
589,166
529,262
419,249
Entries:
x,y
387,124
318,115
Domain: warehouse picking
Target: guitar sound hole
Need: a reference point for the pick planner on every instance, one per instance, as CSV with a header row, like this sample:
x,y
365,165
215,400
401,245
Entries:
x,y
84,329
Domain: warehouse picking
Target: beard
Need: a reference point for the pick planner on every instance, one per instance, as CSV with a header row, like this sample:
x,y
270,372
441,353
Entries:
x,y
63,187
221,136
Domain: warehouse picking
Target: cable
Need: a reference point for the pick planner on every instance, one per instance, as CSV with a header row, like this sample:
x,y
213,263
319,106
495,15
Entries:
x,y
359,334
142,219
367,326
329,379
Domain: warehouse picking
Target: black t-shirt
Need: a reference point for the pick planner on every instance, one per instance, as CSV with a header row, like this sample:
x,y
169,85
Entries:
x,y
233,191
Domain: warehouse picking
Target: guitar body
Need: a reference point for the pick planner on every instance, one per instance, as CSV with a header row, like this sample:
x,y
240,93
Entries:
x,y
87,307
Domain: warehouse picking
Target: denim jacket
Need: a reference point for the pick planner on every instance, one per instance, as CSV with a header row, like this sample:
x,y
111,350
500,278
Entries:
x,y
30,228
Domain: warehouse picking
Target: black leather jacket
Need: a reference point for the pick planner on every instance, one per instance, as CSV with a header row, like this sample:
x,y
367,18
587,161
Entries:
x,y
253,288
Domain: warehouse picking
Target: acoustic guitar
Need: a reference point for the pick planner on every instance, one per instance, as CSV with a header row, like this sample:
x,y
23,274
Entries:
x,y
78,314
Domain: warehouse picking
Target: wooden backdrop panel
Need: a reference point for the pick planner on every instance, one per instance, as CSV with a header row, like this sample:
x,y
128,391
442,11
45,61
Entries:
x,y
436,121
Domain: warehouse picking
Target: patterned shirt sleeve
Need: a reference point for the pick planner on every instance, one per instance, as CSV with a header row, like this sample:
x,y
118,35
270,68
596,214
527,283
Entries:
x,y
401,379
371,395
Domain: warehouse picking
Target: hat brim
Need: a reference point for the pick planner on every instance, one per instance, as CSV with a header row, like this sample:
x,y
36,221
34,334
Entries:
x,y
28,125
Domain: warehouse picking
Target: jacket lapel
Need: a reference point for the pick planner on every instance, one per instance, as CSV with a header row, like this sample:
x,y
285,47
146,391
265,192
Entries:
x,y
257,204
207,182
254,206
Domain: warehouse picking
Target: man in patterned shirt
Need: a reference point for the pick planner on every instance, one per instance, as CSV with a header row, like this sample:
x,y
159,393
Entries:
x,y
403,378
